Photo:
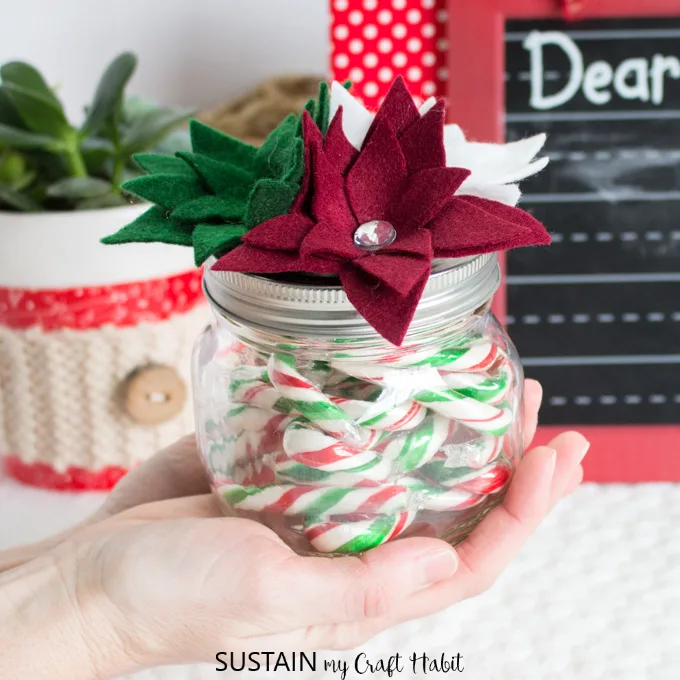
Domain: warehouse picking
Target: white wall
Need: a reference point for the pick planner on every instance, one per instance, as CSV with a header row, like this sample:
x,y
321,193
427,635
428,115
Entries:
x,y
191,52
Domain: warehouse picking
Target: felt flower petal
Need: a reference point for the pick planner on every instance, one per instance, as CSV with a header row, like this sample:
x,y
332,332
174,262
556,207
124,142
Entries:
x,y
284,233
399,272
356,119
416,243
492,165
398,108
330,240
250,260
472,226
508,194
329,201
389,313
423,141
336,146
374,182
423,197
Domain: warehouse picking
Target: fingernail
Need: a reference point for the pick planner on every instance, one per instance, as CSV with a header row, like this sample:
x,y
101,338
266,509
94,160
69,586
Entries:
x,y
438,565
586,448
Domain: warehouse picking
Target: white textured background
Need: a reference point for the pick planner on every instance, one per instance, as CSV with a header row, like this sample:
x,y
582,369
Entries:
x,y
595,595
191,52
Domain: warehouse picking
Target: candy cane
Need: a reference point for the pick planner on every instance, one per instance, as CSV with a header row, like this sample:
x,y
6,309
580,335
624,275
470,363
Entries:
x,y
485,481
474,414
480,387
309,446
416,448
312,501
378,416
308,400
478,355
372,473
356,536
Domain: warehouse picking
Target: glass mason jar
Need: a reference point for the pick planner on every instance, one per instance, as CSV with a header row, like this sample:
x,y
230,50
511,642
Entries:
x,y
312,424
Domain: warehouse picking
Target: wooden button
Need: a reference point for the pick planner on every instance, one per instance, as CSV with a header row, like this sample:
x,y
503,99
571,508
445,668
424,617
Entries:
x,y
154,394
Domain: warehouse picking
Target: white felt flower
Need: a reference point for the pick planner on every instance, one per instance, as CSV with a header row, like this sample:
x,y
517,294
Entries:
x,y
495,168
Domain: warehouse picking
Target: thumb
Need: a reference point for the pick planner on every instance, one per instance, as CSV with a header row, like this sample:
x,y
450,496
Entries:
x,y
344,589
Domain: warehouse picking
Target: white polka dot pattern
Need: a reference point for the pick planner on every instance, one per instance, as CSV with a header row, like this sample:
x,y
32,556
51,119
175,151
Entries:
x,y
376,40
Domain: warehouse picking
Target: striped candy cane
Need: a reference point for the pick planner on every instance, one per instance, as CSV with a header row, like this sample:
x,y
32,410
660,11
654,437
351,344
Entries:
x,y
378,416
305,444
356,536
308,400
312,501
411,451
487,480
474,414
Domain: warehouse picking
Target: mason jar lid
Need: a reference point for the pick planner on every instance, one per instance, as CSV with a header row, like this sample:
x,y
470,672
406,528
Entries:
x,y
316,305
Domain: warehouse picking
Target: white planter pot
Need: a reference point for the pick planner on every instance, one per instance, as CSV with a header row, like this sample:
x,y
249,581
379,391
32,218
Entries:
x,y
62,250
66,419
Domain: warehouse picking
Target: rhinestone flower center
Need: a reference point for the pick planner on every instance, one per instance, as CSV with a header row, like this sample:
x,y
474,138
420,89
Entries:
x,y
374,235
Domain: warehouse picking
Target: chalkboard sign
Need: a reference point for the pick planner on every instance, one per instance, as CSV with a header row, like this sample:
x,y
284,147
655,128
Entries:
x,y
595,316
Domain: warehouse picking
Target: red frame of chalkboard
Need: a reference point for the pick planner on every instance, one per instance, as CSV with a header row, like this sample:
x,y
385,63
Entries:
x,y
476,93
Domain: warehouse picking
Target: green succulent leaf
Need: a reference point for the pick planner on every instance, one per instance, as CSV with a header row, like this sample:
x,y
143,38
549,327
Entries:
x,y
160,163
109,95
8,113
17,138
14,199
34,101
166,190
153,226
79,188
215,239
211,208
149,128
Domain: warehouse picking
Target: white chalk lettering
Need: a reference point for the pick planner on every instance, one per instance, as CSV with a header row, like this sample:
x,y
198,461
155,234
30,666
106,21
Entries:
x,y
632,79
660,67
598,75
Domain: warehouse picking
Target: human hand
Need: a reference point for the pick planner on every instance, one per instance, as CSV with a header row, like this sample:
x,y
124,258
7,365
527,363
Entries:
x,y
172,581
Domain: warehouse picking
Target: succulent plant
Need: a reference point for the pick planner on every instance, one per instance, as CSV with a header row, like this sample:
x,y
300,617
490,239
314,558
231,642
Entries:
x,y
210,197
47,163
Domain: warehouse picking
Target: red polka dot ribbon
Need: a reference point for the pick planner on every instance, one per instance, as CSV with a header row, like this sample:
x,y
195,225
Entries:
x,y
373,41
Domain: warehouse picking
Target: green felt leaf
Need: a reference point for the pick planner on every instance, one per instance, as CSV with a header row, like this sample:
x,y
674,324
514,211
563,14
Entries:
x,y
153,226
150,128
34,101
210,208
78,188
224,178
208,141
12,198
163,164
109,94
296,167
323,108
270,198
110,200
17,138
274,154
215,239
166,190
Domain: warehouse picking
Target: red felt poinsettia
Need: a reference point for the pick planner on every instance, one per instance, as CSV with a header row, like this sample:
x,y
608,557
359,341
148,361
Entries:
x,y
377,217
